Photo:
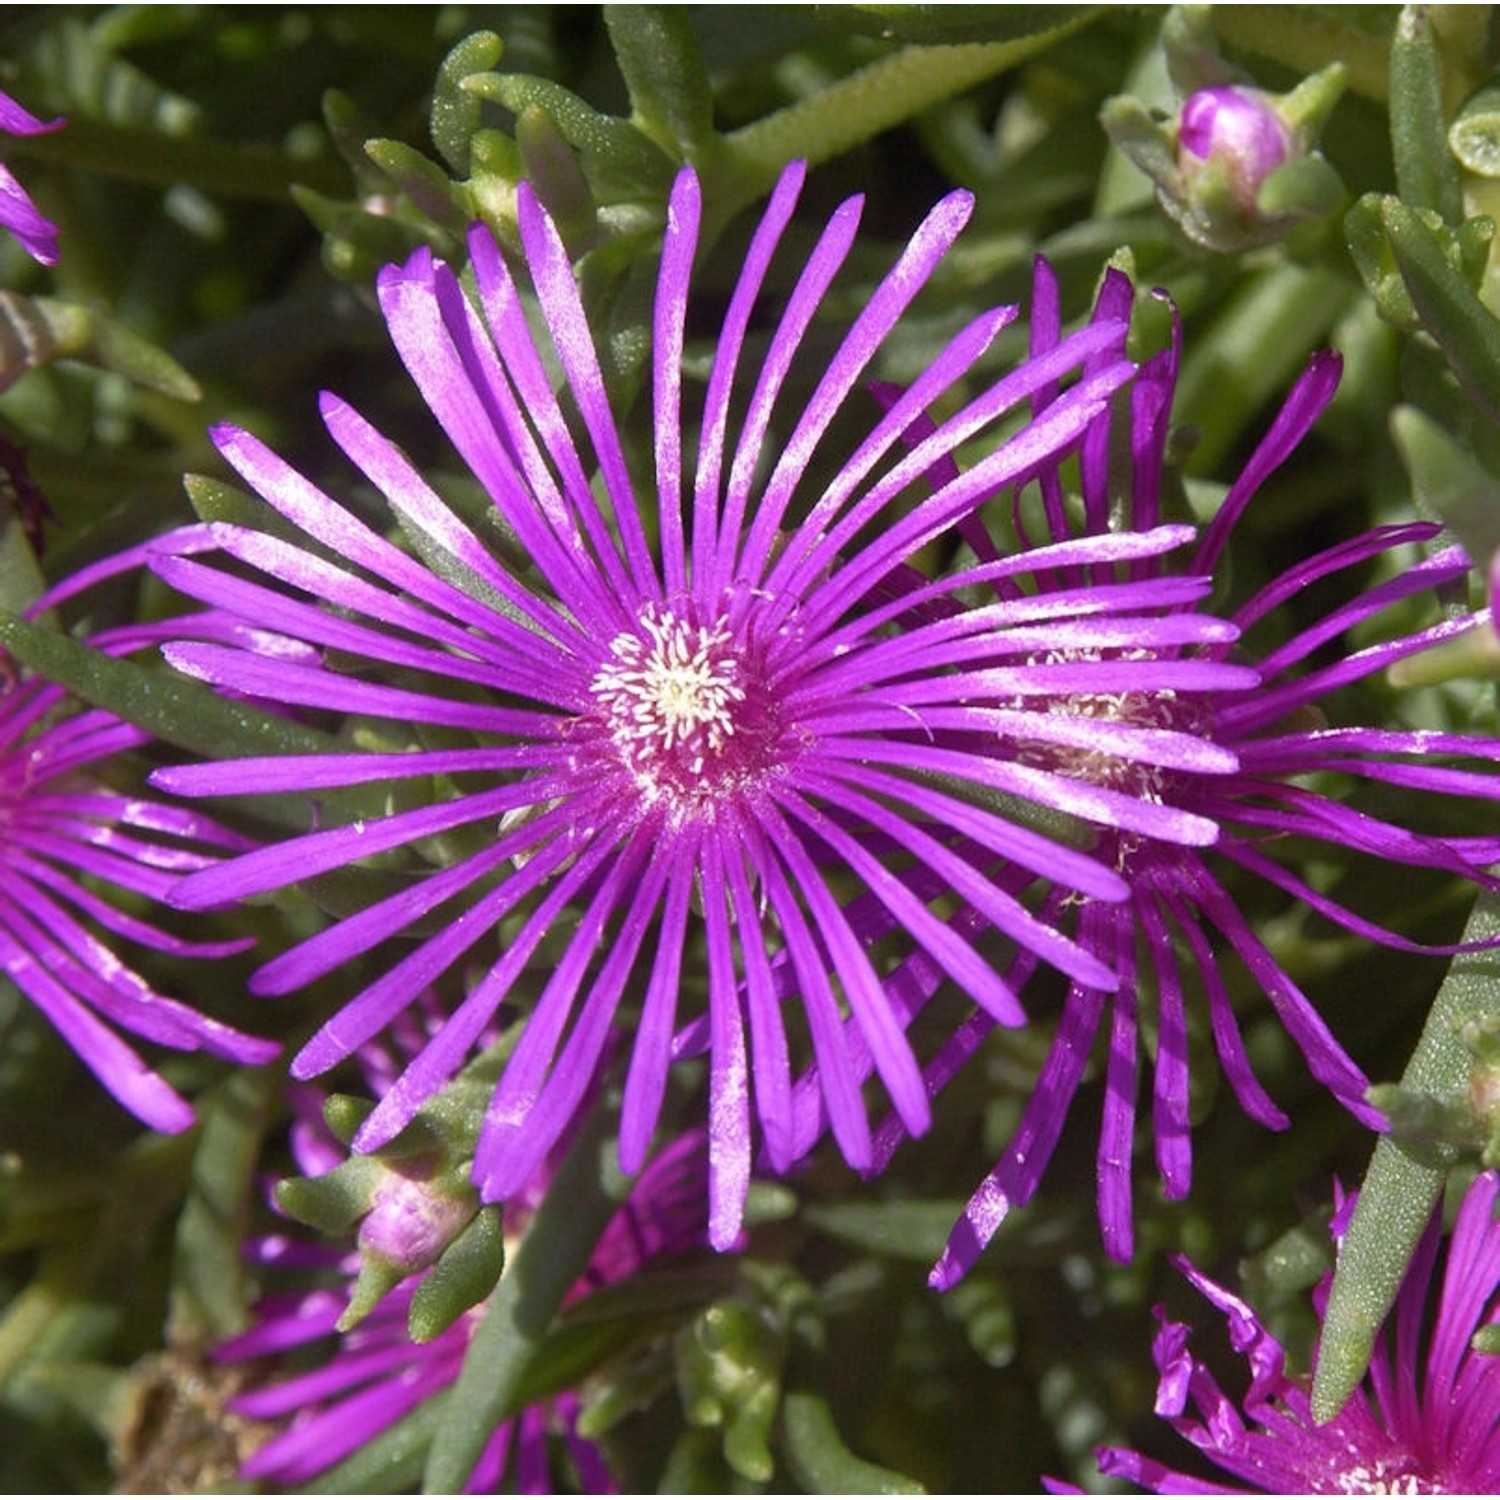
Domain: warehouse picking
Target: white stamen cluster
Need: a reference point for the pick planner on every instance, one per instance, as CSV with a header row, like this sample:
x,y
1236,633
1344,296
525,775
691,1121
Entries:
x,y
1385,1479
1146,710
669,696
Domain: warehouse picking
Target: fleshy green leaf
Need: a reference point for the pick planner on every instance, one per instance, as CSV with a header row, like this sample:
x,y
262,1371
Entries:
x,y
915,1229
621,163
335,1200
1465,329
951,23
729,1368
820,1461
179,711
21,580
463,1276
553,171
173,708
1425,173
36,330
1404,1181
1449,480
456,112
670,96
208,1298
424,183
1474,137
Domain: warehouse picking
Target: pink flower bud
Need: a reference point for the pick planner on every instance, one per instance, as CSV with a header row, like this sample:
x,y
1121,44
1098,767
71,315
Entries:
x,y
413,1219
1237,129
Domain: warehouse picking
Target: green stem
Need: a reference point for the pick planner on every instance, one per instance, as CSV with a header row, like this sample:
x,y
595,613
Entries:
x,y
149,156
556,1250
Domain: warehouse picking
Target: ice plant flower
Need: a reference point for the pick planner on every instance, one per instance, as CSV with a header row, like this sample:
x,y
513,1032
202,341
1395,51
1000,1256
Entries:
x,y
36,232
72,849
671,724
1425,1422
372,1376
1175,827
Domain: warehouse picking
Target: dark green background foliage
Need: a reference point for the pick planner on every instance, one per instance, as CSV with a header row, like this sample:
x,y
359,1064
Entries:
x,y
229,182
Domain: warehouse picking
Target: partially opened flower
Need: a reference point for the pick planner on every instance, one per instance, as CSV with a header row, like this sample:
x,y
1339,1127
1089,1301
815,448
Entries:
x,y
36,232
652,745
1267,781
1425,1422
74,853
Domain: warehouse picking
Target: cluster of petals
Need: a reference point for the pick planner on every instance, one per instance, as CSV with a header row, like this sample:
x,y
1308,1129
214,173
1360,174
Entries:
x,y
692,719
75,855
18,214
1280,734
328,1393
1187,759
1425,1421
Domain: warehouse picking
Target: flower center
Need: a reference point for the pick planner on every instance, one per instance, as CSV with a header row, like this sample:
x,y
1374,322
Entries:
x,y
1402,1477
675,700
1161,708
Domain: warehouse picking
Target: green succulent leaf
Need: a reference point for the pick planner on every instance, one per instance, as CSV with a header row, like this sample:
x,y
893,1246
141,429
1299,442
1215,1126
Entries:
x,y
1474,136
21,580
1464,328
335,1200
821,1461
36,330
621,163
429,189
1450,481
938,24
463,1276
1404,1181
670,96
913,1229
1426,176
208,1271
456,112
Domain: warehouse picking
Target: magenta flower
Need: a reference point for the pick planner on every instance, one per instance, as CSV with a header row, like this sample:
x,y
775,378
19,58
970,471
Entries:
x,y
367,1379
67,838
1425,1422
37,233
669,722
1177,824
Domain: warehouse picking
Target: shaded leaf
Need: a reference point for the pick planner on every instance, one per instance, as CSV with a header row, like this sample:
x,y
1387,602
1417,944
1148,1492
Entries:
x,y
821,1462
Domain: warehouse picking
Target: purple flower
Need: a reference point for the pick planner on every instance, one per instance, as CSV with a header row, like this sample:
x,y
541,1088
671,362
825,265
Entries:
x,y
372,1376
37,234
668,708
67,840
1231,796
1426,1421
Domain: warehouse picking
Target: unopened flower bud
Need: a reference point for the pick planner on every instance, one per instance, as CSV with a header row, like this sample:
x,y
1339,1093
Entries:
x,y
1237,130
1235,166
415,1214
